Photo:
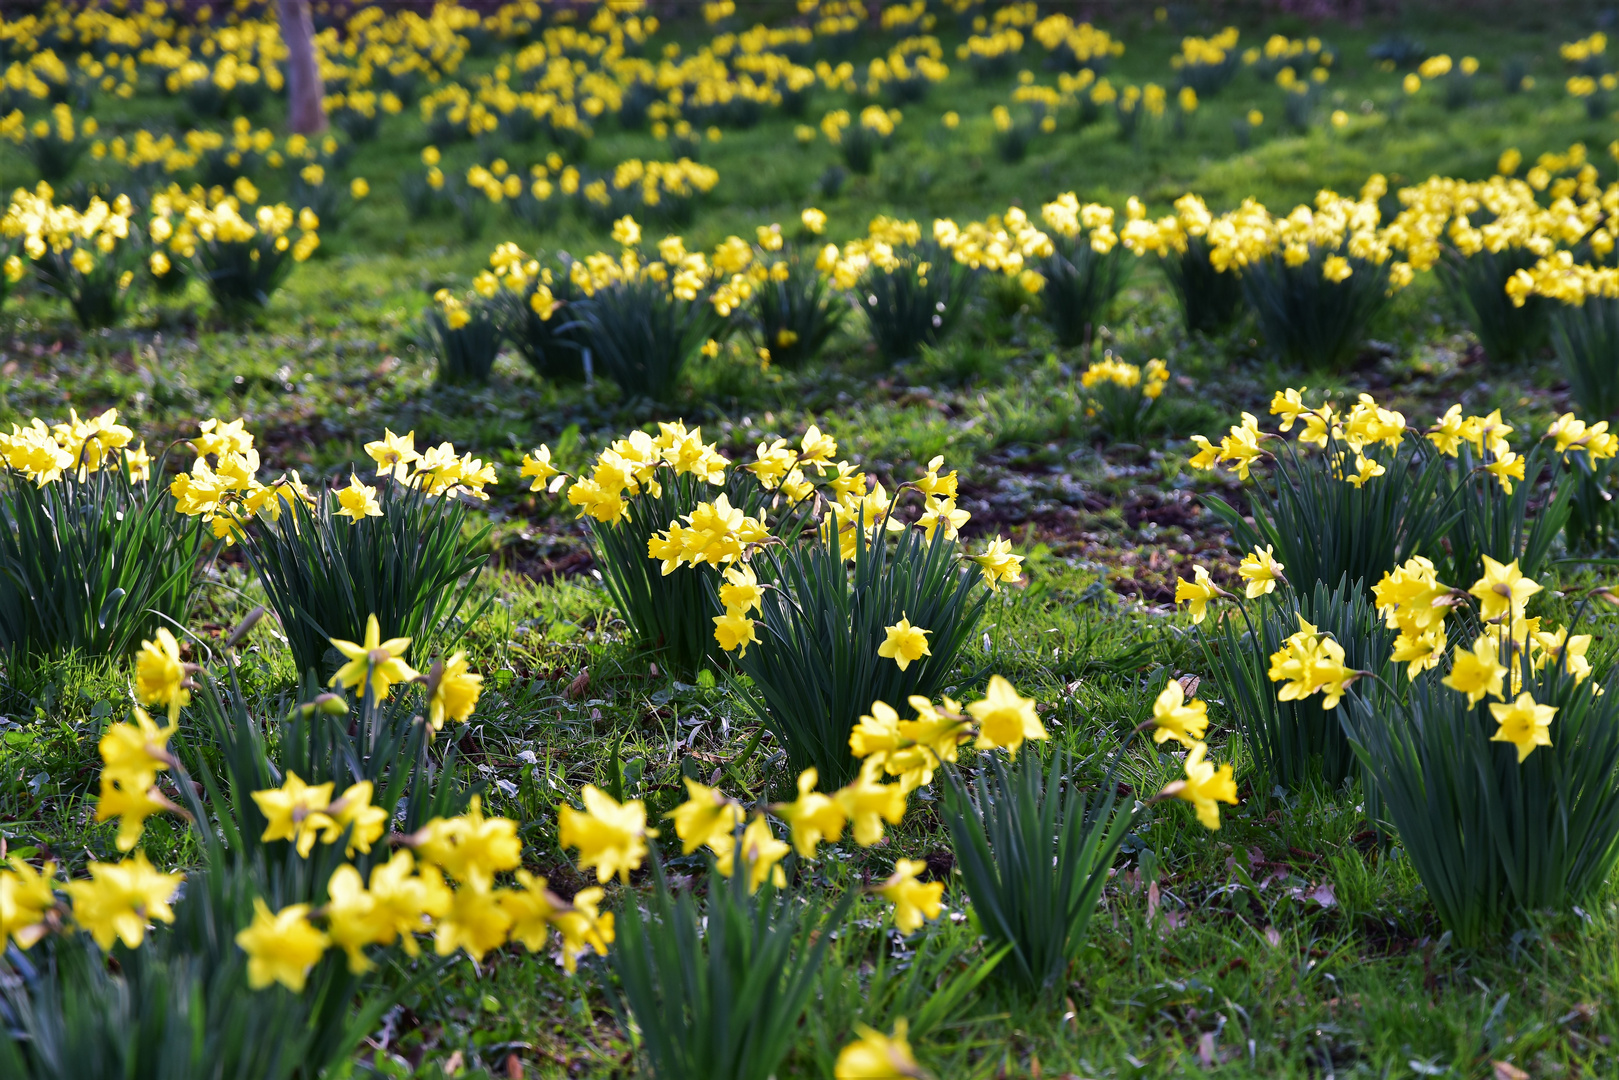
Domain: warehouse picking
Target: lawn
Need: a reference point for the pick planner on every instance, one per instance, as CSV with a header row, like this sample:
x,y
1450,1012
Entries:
x,y
1297,939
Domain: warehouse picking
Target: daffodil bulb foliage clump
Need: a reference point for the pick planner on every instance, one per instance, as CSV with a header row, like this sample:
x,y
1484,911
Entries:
x,y
1034,849
648,313
244,252
1494,746
464,333
630,494
1316,277
1355,490
537,311
87,529
298,865
387,545
1119,396
86,258
855,600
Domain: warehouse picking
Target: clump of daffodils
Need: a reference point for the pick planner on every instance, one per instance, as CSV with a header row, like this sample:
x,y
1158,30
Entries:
x,y
44,453
223,489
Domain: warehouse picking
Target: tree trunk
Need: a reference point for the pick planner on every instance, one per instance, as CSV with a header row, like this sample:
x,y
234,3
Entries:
x,y
306,111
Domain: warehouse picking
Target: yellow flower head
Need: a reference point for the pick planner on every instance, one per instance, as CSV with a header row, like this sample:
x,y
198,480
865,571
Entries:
x,y
812,817
119,899
905,644
913,901
1261,571
1477,672
1178,719
1197,593
358,501
1005,718
1204,787
455,693
704,815
875,1056
381,660
610,836
1524,724
281,947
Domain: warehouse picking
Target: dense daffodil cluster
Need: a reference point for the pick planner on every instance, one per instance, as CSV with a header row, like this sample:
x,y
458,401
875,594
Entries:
x,y
1354,437
44,453
222,485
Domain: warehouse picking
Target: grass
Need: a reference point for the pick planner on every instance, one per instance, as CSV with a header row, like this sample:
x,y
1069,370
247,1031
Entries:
x,y
1291,943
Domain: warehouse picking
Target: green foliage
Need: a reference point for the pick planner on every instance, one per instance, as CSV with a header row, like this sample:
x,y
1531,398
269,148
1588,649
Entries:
x,y
1309,321
89,566
1477,285
641,335
179,1007
859,145
796,316
929,986
910,306
1209,299
323,740
242,275
815,666
552,346
97,298
1080,285
1586,338
1293,743
1489,521
1034,854
54,157
1494,839
1325,529
466,354
413,568
671,613
718,990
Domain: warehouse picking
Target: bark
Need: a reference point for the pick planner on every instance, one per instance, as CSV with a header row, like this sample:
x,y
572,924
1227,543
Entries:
x,y
306,111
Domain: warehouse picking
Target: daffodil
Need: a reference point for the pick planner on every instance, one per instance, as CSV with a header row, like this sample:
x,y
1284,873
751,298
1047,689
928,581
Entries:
x,y
351,917
1005,719
705,814
380,661
759,850
352,812
584,928
160,675
812,817
866,803
1176,718
1205,787
471,848
734,631
1503,591
999,564
358,501
1261,571
26,895
281,946
1524,724
295,811
455,692
913,901
476,921
1197,593
875,1056
1477,672
393,454
119,899
610,836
